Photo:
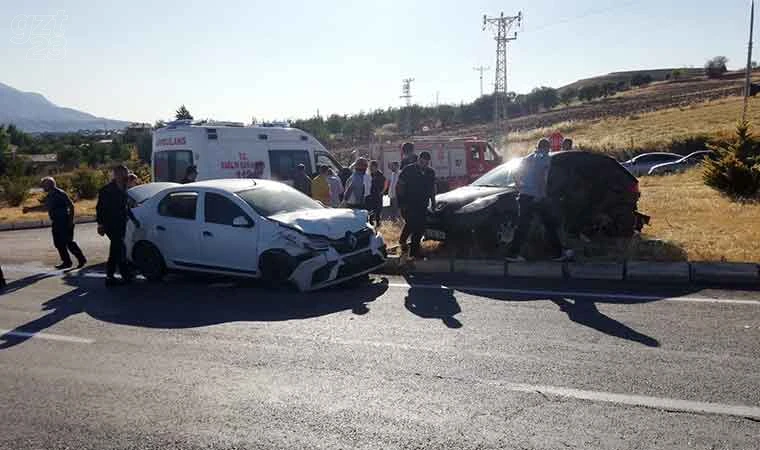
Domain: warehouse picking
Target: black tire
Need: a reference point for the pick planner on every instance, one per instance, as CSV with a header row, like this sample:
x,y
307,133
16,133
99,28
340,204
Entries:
x,y
149,261
277,266
496,236
623,221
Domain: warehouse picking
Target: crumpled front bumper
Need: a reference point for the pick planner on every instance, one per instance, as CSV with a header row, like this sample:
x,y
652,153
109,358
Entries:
x,y
329,267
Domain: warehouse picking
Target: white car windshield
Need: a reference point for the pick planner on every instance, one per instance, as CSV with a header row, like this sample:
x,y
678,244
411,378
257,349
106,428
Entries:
x,y
277,199
502,176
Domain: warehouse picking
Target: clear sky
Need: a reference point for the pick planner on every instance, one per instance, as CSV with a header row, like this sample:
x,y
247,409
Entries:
x,y
231,60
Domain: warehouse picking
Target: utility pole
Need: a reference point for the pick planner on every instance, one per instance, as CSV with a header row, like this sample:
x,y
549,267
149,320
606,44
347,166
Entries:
x,y
481,69
748,79
503,25
406,93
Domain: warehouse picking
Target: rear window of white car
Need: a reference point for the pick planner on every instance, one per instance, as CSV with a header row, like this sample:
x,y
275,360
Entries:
x,y
277,199
179,205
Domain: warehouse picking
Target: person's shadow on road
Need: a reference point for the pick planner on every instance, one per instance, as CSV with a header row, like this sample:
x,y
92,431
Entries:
x,y
434,304
586,313
190,304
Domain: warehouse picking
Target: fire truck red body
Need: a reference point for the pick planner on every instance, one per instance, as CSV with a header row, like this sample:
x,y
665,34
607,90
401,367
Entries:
x,y
457,161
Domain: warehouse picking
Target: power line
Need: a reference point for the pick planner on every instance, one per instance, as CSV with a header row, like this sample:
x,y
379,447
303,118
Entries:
x,y
588,13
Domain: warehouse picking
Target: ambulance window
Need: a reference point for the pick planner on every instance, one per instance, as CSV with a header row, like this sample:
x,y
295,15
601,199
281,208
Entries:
x,y
171,165
323,159
283,163
475,152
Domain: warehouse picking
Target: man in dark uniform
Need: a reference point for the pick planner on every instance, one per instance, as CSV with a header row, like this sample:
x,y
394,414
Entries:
x,y
415,191
408,157
61,211
112,216
301,180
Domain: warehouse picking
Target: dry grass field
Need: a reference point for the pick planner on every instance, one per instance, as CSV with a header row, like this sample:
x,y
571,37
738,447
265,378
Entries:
x,y
35,211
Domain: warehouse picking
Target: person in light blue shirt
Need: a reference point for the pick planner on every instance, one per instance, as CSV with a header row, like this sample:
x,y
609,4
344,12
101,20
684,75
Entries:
x,y
532,180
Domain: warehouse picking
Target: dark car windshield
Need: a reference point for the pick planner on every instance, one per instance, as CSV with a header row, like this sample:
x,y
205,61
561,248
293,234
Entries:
x,y
502,176
277,199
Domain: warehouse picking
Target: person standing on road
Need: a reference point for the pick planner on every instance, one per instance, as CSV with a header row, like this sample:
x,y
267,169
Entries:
x,y
408,157
392,184
375,199
2,279
301,181
567,145
531,181
415,191
61,211
358,186
112,215
336,188
191,174
320,187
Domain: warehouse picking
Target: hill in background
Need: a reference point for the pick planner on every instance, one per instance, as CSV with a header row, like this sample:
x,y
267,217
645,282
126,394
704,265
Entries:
x,y
33,113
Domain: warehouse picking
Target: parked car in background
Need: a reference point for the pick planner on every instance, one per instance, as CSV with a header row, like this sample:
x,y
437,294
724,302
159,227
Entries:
x,y
641,164
682,164
593,192
251,228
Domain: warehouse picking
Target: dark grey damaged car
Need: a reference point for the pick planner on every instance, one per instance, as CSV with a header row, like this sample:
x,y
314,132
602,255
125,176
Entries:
x,y
592,194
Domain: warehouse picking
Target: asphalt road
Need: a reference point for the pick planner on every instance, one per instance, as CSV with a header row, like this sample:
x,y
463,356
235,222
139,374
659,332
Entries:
x,y
199,362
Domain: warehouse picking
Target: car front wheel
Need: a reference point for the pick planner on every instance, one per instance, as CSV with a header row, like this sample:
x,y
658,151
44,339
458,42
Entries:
x,y
149,261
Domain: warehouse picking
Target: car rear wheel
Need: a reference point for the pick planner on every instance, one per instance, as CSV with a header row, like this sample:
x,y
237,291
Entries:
x,y
149,261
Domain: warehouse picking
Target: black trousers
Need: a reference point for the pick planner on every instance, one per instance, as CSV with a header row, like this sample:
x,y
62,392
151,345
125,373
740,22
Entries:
x,y
63,240
529,207
117,255
375,207
414,226
2,278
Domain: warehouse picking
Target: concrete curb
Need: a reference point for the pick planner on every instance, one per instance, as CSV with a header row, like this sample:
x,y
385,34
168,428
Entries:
x,y
44,223
657,272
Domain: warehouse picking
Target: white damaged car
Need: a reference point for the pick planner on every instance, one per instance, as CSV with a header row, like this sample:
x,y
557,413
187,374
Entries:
x,y
252,228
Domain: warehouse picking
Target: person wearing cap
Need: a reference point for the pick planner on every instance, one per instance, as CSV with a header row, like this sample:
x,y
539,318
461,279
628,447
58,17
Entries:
x,y
301,180
532,180
415,192
61,211
191,174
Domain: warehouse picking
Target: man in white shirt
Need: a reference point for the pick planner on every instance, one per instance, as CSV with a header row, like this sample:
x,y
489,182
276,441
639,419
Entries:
x,y
392,183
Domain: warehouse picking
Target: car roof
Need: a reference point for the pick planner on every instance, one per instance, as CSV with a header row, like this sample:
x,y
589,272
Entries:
x,y
659,153
228,184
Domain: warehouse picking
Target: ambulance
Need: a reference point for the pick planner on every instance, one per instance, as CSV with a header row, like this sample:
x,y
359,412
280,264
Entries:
x,y
457,161
231,150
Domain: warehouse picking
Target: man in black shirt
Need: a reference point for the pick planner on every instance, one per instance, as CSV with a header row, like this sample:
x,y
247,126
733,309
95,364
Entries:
x,y
191,174
301,180
61,211
112,216
415,191
408,157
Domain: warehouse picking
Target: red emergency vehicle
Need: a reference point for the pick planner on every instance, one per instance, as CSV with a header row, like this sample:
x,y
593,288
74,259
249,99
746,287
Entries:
x,y
457,161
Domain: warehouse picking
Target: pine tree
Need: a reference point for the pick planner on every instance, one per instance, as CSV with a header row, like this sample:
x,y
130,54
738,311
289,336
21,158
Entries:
x,y
736,170
183,113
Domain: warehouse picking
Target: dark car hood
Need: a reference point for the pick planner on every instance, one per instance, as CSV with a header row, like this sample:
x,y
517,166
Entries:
x,y
467,194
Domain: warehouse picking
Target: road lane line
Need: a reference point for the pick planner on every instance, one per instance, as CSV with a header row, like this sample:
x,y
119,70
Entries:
x,y
550,293
47,336
662,403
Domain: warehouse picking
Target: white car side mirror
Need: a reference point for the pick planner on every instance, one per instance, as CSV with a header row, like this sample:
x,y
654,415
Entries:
x,y
241,222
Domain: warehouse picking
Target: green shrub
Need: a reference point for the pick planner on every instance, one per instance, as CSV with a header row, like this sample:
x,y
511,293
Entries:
x,y
736,171
16,190
87,182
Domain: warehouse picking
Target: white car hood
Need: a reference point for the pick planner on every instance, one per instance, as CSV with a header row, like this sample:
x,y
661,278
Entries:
x,y
328,222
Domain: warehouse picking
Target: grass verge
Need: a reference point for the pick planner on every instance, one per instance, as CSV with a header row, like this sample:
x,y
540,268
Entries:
x,y
36,211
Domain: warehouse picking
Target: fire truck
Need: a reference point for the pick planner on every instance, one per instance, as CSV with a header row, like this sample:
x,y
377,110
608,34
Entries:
x,y
457,161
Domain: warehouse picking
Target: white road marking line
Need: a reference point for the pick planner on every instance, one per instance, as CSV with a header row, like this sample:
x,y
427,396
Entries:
x,y
47,336
669,404
550,293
